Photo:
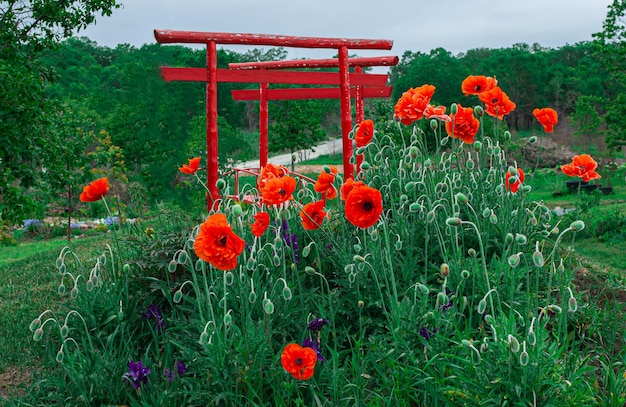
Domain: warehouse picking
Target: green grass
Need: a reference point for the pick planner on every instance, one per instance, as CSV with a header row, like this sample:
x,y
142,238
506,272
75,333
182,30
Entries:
x,y
29,283
330,159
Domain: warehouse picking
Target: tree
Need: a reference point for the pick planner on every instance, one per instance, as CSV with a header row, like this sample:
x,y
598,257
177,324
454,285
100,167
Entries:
x,y
26,29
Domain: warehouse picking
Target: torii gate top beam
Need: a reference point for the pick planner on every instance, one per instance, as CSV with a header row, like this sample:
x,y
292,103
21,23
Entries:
x,y
316,63
196,37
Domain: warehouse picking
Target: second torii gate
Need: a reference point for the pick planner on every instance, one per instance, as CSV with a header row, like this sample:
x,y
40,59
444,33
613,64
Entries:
x,y
264,94
210,75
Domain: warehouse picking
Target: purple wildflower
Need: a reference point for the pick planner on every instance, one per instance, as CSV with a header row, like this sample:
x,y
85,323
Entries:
x,y
182,369
291,240
138,373
426,333
317,324
449,304
168,374
153,311
315,345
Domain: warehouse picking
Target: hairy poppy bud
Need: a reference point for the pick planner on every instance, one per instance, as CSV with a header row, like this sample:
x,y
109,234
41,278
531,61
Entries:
x,y
65,330
514,260
572,304
523,358
454,221
461,198
520,239
60,355
444,140
538,257
309,270
38,334
178,296
445,269
513,343
465,274
479,111
237,211
204,338
252,297
287,293
229,278
413,151
220,184
453,108
471,252
532,140
554,308
509,238
360,304
365,166
577,225
482,306
326,169
358,259
268,306
507,135
434,124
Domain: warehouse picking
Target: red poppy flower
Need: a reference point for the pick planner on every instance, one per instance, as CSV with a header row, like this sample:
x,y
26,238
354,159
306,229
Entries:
x,y
514,187
324,184
363,206
547,117
217,244
410,107
464,124
95,191
497,103
582,166
276,191
299,361
194,164
436,112
364,133
272,170
313,215
261,222
347,186
475,85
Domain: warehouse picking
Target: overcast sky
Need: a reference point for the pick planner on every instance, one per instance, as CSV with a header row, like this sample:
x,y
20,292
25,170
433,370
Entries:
x,y
413,25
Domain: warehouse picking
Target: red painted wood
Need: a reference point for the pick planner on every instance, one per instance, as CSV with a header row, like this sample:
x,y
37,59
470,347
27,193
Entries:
x,y
195,37
316,63
211,124
310,93
285,77
263,124
346,112
360,113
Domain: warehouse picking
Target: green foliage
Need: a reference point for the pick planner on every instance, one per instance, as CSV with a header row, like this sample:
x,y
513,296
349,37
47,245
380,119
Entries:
x,y
298,125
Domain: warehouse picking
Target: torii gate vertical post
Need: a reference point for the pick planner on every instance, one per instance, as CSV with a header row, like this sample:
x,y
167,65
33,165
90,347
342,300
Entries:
x,y
360,114
211,124
346,112
263,126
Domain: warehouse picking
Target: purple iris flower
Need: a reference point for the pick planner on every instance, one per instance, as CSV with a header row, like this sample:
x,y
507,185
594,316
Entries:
x,y
154,312
181,370
291,240
137,373
315,345
317,324
426,333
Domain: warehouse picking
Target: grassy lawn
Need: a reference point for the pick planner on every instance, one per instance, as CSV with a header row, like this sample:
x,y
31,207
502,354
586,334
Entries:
x,y
29,284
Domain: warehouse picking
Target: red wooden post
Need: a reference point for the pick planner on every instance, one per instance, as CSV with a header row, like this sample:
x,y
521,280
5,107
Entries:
x,y
211,124
346,113
263,125
360,114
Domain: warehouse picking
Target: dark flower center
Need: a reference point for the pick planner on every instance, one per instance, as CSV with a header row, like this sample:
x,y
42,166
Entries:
x,y
494,100
368,206
223,240
282,192
477,88
298,361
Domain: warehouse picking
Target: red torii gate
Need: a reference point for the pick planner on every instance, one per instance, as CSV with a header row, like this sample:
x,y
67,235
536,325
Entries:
x,y
264,94
211,75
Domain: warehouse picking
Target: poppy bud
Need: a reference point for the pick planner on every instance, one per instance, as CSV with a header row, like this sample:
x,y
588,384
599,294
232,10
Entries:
x,y
74,293
461,198
178,296
509,238
414,151
229,278
442,298
465,274
532,140
38,334
445,269
493,218
35,324
514,260
204,338
531,337
560,268
482,306
326,169
538,257
357,247
252,297
512,171
434,124
520,239
61,289
444,140
358,259
294,157
399,245
365,166
237,211
65,330
287,293
471,252
477,146
486,212
572,304
454,221
220,184
470,164
268,306
251,263
360,150
423,289
484,347
360,304
527,188
513,343
523,358
309,270
60,355
577,225
479,111
507,135
171,266
453,108
554,308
